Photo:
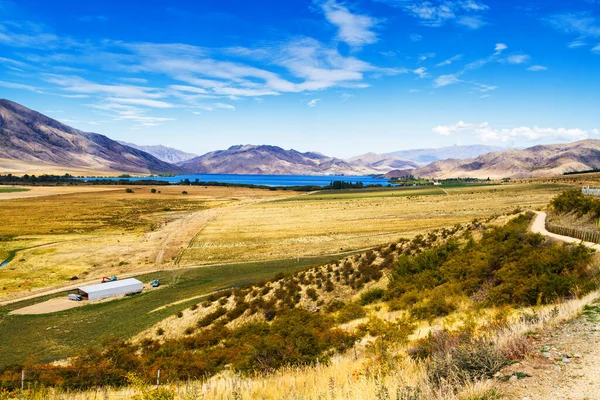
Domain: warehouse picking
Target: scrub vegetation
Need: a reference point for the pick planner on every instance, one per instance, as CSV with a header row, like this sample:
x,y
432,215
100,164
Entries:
x,y
466,281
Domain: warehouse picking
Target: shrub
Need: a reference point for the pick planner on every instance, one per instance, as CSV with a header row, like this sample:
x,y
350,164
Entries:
x,y
350,312
128,190
184,192
211,317
152,190
371,296
312,293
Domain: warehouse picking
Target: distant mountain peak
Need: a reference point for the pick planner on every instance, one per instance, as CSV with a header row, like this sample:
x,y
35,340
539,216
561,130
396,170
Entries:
x,y
28,136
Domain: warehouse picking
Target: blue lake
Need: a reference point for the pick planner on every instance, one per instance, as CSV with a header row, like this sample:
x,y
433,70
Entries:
x,y
266,180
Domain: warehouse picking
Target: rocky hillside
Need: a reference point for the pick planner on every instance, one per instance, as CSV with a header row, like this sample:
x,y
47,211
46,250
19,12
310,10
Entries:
x,y
250,159
27,136
163,153
383,162
426,156
537,161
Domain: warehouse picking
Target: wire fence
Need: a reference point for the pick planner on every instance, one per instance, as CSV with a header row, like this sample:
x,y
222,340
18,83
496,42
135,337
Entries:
x,y
587,235
72,378
590,191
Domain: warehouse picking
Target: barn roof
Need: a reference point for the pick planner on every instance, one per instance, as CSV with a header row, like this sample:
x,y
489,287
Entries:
x,y
100,287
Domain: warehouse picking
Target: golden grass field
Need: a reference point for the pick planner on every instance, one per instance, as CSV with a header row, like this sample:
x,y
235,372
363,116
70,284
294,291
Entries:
x,y
92,231
332,223
53,233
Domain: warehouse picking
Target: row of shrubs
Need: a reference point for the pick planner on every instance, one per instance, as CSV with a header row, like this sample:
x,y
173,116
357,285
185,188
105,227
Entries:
x,y
296,337
509,265
575,201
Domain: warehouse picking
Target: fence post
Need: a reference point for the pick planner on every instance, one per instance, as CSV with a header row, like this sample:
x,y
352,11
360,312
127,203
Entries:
x,y
22,379
158,378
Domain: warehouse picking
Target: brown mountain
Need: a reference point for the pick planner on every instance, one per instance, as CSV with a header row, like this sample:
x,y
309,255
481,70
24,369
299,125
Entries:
x,y
537,161
36,142
163,153
251,159
383,162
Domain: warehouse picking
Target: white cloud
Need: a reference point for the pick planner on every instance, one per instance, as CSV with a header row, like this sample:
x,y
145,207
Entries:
x,y
522,134
449,60
446,80
413,90
313,102
500,47
518,59
424,57
596,49
415,37
224,106
536,68
421,72
141,102
14,85
435,13
580,23
346,96
472,22
576,43
353,29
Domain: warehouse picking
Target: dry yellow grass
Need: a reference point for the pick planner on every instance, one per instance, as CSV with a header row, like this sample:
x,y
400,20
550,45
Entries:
x,y
316,225
351,377
106,231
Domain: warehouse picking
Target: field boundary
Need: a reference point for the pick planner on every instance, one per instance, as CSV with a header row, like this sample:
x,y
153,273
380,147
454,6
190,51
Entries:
x,y
587,235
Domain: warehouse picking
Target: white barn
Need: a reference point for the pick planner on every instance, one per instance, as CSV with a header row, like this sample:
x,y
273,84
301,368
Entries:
x,y
110,289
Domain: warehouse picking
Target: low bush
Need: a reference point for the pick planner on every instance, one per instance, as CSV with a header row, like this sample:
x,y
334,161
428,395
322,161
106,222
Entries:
x,y
371,296
350,312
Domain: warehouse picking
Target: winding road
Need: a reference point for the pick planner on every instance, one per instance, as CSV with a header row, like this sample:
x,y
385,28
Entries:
x,y
539,226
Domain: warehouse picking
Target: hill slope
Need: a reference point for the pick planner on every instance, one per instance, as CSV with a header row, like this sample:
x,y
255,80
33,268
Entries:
x,y
426,156
251,159
383,162
29,137
163,153
537,161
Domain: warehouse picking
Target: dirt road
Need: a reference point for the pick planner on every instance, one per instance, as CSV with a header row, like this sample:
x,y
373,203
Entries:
x,y
539,226
565,364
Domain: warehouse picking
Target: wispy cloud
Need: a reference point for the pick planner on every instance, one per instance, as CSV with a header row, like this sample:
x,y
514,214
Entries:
x,y
484,132
15,85
446,80
415,37
421,72
518,59
313,102
450,79
537,68
449,60
584,23
353,28
346,96
436,13
596,49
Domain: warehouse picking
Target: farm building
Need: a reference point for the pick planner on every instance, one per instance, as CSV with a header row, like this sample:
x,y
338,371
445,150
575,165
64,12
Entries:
x,y
110,289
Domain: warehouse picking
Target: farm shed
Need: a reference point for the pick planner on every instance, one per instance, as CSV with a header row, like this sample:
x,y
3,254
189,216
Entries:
x,y
110,289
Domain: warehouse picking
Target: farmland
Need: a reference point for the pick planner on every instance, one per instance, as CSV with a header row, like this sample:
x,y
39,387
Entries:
x,y
88,233
209,239
329,222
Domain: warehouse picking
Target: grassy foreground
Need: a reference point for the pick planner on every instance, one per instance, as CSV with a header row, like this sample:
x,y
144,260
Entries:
x,y
58,335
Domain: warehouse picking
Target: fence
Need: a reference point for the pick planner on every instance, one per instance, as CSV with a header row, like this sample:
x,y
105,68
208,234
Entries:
x,y
71,378
587,235
590,191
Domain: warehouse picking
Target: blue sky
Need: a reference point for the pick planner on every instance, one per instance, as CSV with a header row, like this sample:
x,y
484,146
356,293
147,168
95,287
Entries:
x,y
339,77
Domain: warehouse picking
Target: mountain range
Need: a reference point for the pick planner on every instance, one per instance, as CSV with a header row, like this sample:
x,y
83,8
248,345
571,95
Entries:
x,y
536,161
31,138
163,153
30,141
271,160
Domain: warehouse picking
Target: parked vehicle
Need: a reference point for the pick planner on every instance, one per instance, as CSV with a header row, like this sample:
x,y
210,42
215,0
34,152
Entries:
x,y
75,297
155,283
109,279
